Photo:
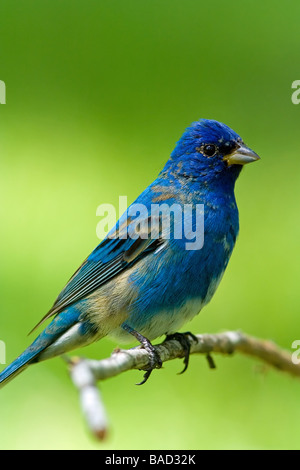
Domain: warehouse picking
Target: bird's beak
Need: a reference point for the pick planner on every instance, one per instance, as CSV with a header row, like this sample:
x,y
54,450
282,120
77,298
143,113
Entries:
x,y
241,156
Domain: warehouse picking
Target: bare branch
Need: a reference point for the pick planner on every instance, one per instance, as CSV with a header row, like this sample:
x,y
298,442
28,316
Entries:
x,y
85,372
90,398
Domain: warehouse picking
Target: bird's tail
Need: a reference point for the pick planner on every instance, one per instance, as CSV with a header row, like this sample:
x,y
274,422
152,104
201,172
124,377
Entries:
x,y
64,333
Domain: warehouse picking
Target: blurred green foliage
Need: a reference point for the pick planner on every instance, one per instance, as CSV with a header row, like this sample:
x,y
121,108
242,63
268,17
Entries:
x,y
98,92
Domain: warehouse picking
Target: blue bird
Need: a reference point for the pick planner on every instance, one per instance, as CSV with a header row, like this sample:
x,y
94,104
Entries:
x,y
147,279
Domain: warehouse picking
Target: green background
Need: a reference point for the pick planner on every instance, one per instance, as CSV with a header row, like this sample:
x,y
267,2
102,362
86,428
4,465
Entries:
x,y
98,92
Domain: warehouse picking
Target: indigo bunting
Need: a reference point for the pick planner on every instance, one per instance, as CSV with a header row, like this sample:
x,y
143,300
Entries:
x,y
142,281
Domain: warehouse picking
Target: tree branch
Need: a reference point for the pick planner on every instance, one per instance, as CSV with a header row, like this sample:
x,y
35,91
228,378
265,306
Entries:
x,y
85,373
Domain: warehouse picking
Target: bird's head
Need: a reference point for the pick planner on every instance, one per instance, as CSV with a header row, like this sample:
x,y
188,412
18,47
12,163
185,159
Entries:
x,y
210,151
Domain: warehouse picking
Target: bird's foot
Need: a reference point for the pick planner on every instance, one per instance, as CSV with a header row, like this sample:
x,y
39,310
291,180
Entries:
x,y
154,359
182,338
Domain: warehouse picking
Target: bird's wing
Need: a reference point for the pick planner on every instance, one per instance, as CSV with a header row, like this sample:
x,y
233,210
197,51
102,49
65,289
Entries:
x,y
110,257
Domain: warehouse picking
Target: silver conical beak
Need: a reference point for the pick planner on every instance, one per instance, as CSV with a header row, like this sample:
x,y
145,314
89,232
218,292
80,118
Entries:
x,y
241,156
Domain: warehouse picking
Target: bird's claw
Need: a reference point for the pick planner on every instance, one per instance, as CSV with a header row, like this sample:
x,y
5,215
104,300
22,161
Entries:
x,y
154,360
182,338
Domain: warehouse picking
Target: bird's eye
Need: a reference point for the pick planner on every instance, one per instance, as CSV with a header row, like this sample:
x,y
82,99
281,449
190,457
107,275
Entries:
x,y
209,150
